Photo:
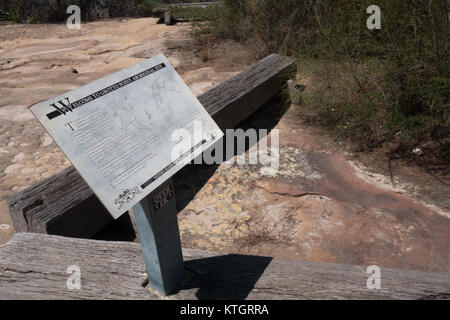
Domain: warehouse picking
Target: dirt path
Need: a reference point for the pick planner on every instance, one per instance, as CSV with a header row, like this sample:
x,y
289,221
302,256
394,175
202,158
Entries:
x,y
318,206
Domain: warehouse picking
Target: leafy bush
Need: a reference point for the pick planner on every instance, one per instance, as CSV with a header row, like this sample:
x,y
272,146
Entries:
x,y
377,87
18,11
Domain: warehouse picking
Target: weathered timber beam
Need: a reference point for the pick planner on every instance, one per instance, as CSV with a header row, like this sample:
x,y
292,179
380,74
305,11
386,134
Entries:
x,y
166,7
235,99
193,4
33,266
165,11
64,204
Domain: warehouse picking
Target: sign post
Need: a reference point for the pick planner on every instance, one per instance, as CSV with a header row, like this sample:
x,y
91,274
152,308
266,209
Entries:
x,y
157,224
127,134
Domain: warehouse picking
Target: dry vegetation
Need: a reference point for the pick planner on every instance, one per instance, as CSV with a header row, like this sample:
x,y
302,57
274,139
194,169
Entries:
x,y
385,88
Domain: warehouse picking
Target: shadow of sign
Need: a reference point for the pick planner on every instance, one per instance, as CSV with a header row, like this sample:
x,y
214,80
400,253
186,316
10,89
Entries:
x,y
228,277
193,177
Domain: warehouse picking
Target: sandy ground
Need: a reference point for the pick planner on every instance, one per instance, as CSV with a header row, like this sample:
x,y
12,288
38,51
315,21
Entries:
x,y
321,204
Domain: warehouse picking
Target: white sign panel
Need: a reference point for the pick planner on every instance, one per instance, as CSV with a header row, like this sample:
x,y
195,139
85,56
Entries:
x,y
129,132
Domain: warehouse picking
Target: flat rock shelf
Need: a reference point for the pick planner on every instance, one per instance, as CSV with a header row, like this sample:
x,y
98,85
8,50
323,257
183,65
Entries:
x,y
33,266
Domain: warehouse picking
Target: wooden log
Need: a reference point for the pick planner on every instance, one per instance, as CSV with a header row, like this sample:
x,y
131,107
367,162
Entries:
x,y
162,8
235,99
64,204
34,266
164,12
193,4
167,18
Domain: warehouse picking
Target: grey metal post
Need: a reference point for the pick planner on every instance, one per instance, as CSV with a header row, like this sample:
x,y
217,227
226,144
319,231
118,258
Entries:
x,y
157,224
167,17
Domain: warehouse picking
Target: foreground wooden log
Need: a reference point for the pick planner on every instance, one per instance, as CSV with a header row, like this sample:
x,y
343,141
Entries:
x,y
34,266
64,204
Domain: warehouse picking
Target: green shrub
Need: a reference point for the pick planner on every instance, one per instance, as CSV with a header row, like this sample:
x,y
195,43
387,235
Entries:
x,y
18,11
377,87
208,13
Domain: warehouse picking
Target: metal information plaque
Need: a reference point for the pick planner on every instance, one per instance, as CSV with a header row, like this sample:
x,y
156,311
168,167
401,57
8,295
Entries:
x,y
129,132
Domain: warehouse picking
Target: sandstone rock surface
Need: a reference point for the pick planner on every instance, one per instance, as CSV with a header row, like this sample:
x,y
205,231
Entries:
x,y
316,206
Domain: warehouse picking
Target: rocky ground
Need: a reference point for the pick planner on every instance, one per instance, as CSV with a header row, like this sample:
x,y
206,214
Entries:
x,y
321,204
38,62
